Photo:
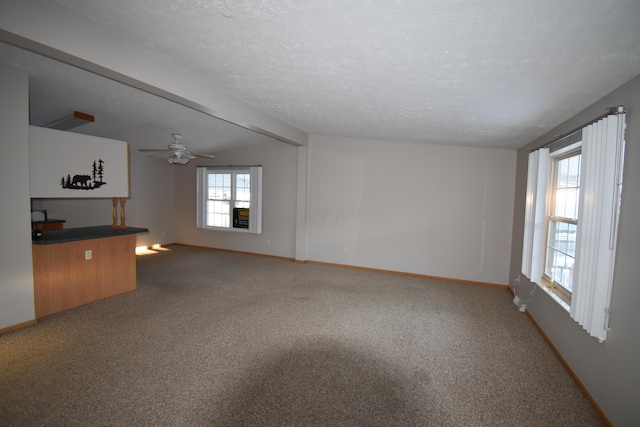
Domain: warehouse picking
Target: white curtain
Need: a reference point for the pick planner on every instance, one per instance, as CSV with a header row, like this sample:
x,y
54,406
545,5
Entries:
x,y
600,186
534,218
255,218
201,180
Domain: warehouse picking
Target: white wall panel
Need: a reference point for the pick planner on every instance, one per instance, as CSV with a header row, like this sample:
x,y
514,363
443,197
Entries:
x,y
279,188
417,208
16,280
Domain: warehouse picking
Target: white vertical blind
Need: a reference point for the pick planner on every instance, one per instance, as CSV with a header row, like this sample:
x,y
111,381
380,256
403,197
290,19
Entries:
x,y
535,216
255,217
201,179
601,180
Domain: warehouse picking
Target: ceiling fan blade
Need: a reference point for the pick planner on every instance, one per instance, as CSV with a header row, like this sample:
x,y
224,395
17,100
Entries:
x,y
176,151
153,150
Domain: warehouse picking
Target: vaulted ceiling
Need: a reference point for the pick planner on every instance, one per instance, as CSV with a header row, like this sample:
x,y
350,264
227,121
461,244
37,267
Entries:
x,y
483,73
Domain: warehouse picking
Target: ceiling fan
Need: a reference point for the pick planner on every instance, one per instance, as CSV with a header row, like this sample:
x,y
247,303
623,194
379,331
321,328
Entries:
x,y
178,154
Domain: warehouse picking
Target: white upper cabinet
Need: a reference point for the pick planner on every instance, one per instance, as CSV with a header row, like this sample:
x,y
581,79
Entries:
x,y
70,165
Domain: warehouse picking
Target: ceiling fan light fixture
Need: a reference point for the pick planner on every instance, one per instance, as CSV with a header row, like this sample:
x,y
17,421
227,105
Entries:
x,y
178,153
177,160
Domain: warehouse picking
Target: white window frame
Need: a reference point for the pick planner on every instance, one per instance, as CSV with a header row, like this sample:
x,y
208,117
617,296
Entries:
x,y
560,291
255,202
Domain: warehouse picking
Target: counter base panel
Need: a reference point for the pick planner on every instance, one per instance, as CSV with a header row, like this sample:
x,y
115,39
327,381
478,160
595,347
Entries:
x,y
64,279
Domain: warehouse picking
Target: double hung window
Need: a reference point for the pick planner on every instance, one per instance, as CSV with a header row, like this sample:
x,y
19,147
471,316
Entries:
x,y
562,223
230,198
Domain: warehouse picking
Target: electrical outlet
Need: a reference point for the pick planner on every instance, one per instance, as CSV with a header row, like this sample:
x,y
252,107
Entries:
x,y
345,250
88,254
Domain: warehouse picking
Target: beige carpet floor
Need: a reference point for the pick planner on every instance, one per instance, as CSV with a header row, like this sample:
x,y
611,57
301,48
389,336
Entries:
x,y
213,338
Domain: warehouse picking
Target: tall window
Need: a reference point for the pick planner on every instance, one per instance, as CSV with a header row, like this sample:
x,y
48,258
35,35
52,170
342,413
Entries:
x,y
230,198
571,219
562,223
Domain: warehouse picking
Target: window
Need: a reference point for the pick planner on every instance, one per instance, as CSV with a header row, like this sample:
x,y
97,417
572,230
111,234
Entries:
x,y
571,221
230,198
562,222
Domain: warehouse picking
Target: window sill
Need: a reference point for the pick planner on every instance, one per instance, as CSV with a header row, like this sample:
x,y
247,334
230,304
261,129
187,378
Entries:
x,y
226,229
555,297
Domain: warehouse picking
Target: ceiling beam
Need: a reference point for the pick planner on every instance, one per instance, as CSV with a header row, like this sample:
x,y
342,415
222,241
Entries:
x,y
71,121
41,29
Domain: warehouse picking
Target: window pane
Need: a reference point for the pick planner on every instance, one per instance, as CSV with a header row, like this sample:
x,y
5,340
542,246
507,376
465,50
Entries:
x,y
567,203
217,213
567,192
561,251
573,178
243,187
563,174
219,186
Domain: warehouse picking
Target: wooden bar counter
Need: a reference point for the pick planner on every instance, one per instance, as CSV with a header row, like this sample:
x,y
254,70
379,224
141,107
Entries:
x,y
77,266
49,224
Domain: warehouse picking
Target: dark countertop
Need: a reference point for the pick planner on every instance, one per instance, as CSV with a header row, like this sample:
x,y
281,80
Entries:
x,y
84,233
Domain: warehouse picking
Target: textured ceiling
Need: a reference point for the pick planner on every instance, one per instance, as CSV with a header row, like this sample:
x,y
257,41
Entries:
x,y
477,73
121,112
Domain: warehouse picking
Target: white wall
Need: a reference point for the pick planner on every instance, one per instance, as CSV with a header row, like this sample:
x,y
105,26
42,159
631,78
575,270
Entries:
x,y
279,161
16,279
609,371
425,209
416,208
151,203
